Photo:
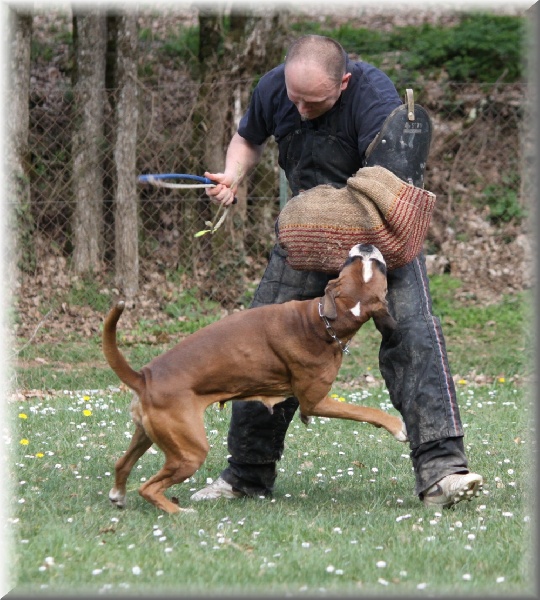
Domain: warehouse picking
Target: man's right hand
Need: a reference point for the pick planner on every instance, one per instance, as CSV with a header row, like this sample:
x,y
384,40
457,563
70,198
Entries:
x,y
225,191
242,156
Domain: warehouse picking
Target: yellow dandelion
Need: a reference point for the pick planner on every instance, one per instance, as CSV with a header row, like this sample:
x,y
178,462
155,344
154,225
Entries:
x,y
341,399
23,416
24,442
86,397
40,455
462,382
87,413
334,395
501,380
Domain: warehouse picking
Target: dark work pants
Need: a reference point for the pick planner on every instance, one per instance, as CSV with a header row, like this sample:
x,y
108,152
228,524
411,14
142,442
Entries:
x,y
412,361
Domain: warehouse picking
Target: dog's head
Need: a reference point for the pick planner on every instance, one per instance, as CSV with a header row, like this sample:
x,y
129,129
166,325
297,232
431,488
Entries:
x,y
360,290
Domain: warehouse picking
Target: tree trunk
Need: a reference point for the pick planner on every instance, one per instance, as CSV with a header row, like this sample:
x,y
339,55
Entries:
x,y
89,32
125,154
208,122
256,42
17,243
253,44
214,97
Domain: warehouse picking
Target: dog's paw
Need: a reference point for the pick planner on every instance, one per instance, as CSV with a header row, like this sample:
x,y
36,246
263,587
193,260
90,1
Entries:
x,y
401,436
117,499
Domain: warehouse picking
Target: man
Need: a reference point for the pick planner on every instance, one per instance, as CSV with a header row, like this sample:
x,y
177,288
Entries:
x,y
324,111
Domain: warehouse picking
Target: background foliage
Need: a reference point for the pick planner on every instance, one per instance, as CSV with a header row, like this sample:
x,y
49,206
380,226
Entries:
x,y
480,47
344,519
474,167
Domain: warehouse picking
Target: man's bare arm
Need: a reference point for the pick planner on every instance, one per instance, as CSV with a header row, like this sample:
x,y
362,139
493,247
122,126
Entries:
x,y
242,157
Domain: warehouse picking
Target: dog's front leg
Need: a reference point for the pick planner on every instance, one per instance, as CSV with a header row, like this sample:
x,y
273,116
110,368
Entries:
x,y
328,407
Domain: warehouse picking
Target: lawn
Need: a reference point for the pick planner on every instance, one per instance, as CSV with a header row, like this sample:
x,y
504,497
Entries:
x,y
343,519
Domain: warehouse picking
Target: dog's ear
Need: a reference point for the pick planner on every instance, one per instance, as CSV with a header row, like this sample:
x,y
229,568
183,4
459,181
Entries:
x,y
384,321
329,309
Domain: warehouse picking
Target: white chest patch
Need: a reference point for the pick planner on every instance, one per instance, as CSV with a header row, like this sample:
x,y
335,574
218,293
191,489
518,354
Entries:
x,y
356,310
368,270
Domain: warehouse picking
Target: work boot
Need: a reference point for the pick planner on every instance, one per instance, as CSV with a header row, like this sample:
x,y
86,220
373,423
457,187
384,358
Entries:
x,y
218,489
402,144
453,489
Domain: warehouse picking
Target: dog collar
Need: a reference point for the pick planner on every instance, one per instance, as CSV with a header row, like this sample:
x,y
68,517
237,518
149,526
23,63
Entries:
x,y
332,333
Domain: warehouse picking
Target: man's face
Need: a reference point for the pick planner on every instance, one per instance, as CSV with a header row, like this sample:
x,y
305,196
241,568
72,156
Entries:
x,y
311,90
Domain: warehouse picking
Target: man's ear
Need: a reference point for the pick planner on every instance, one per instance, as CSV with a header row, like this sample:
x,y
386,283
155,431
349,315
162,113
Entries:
x,y
384,321
329,309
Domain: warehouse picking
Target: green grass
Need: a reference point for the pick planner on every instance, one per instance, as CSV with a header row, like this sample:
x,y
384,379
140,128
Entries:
x,y
343,503
77,362
343,520
473,336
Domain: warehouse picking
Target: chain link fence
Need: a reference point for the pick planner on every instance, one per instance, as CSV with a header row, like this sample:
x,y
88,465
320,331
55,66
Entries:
x,y
475,158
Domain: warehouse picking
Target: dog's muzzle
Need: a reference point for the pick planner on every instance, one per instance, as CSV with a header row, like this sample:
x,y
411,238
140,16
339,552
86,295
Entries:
x,y
367,252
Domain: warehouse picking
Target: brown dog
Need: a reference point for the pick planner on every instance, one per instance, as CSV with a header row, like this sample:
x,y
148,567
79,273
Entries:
x,y
265,354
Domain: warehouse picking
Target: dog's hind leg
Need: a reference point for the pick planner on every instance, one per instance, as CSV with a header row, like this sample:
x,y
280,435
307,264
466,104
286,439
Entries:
x,y
140,443
173,471
185,447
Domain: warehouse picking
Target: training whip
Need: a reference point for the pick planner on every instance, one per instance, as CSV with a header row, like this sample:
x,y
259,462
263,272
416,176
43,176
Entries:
x,y
159,180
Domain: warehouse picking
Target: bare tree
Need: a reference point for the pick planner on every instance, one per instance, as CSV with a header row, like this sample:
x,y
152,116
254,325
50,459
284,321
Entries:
x,y
89,37
126,214
255,44
214,95
229,59
20,223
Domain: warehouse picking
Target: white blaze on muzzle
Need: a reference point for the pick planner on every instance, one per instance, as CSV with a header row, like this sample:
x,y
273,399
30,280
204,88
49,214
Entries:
x,y
367,270
367,253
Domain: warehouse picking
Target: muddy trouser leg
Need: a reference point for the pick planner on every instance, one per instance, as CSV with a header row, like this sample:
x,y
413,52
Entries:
x,y
414,364
256,437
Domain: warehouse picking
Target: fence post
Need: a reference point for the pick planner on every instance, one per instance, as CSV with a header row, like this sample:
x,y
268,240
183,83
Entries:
x,y
283,189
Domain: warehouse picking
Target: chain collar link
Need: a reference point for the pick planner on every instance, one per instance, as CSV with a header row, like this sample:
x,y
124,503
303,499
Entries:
x,y
332,333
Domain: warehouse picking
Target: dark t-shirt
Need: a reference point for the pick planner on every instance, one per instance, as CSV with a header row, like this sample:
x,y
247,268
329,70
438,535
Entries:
x,y
369,98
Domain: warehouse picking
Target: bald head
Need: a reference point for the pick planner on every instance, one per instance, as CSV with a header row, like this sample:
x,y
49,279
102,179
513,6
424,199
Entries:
x,y
320,50
315,74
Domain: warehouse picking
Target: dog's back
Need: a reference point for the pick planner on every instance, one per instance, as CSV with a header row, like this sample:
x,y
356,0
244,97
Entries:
x,y
237,345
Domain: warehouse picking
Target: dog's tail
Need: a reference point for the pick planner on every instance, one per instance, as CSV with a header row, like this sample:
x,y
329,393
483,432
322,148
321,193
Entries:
x,y
115,358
